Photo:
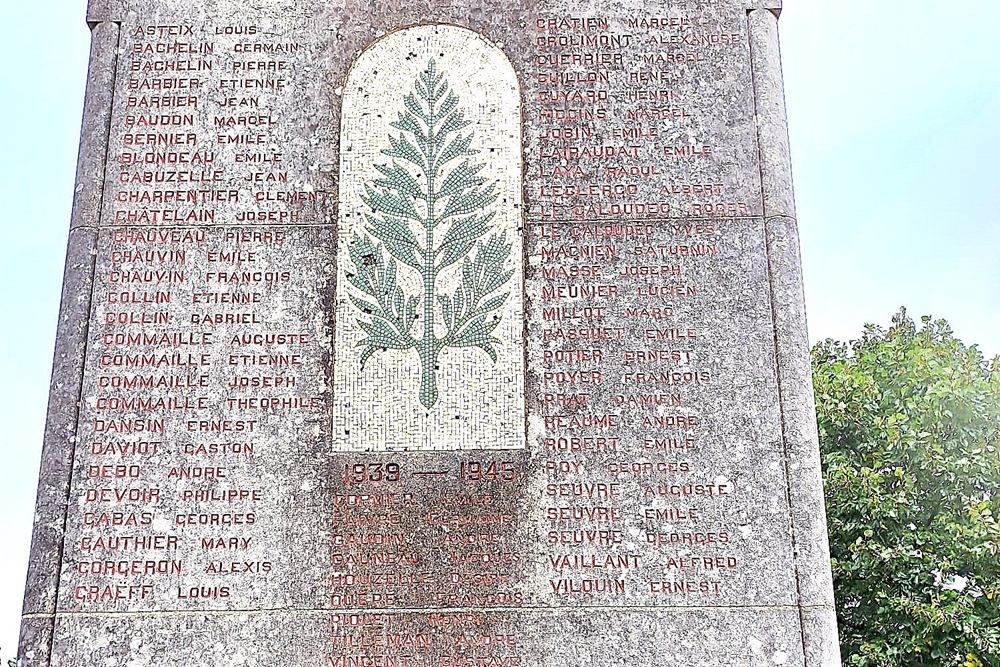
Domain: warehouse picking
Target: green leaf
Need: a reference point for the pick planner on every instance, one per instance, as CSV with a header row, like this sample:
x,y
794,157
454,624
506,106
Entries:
x,y
411,312
460,301
402,148
470,201
399,179
407,122
446,310
398,239
494,303
385,202
460,237
449,104
364,306
454,122
411,103
457,147
382,335
461,178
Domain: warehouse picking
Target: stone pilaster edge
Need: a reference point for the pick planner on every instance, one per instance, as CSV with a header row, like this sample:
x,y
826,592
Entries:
x,y
61,422
773,6
804,473
99,11
95,128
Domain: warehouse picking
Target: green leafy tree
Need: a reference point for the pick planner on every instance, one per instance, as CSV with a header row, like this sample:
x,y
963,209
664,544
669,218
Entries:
x,y
909,419
428,211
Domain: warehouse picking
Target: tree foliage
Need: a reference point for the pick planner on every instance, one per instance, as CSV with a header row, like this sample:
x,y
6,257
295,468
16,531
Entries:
x,y
909,420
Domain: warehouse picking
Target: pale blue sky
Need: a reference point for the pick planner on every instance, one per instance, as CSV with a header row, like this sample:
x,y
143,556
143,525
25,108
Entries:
x,y
893,107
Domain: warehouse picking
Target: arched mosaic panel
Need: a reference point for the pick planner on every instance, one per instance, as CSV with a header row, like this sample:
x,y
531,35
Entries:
x,y
429,343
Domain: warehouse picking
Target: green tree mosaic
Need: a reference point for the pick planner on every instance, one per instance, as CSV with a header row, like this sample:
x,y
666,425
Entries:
x,y
428,210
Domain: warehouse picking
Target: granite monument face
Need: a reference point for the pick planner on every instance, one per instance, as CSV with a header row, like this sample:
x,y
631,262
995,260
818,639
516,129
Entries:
x,y
431,334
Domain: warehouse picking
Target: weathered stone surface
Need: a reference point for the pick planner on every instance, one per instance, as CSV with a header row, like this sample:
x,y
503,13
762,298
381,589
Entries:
x,y
35,643
96,125
755,639
366,374
772,127
805,486
60,425
58,448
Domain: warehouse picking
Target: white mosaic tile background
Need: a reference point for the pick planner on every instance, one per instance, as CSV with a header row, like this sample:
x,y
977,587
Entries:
x,y
481,403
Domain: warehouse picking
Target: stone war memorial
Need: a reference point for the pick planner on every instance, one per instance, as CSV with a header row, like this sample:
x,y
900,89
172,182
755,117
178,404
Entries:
x,y
431,334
